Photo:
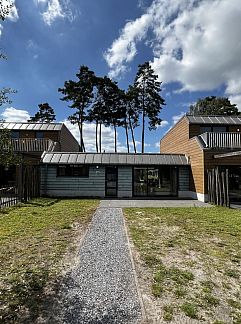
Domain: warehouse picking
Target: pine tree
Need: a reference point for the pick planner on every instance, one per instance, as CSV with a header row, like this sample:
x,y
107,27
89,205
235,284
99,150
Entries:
x,y
44,115
213,105
131,114
149,99
80,93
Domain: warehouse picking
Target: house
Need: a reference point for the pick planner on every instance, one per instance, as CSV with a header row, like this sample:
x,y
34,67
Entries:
x,y
209,142
30,140
119,175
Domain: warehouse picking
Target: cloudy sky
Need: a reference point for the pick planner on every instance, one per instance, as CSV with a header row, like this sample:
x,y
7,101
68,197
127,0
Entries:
x,y
193,45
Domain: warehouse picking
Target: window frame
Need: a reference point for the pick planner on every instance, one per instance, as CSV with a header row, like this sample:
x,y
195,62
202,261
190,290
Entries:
x,y
69,171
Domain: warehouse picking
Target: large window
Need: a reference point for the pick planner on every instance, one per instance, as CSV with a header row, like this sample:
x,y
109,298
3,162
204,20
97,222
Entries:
x,y
72,170
213,129
155,181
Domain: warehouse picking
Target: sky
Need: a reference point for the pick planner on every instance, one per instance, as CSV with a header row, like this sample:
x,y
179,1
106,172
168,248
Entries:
x,y
194,46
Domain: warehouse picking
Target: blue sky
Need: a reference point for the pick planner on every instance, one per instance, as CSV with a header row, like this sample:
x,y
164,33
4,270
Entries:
x,y
193,46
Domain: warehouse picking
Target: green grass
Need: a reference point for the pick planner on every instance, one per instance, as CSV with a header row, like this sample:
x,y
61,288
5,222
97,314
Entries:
x,y
34,238
177,243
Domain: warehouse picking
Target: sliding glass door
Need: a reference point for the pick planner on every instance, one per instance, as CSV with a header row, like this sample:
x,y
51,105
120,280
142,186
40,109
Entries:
x,y
155,181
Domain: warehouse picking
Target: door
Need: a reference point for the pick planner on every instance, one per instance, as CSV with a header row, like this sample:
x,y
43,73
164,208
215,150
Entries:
x,y
111,181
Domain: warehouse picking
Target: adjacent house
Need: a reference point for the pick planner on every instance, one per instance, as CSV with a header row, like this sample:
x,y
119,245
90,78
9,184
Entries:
x,y
114,175
30,140
209,142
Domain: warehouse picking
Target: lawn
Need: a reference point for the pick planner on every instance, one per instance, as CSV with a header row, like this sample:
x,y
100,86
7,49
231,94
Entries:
x,y
36,239
188,263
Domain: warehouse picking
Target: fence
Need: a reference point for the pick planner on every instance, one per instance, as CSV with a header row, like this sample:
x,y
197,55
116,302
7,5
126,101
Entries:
x,y
26,188
8,196
222,140
218,187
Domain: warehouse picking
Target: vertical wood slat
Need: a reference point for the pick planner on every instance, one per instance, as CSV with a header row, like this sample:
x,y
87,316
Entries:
x,y
32,144
222,140
218,187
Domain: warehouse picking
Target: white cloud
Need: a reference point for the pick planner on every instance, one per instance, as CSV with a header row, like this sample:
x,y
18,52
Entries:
x,y
55,9
236,100
176,118
164,123
15,115
13,14
195,43
107,143
123,50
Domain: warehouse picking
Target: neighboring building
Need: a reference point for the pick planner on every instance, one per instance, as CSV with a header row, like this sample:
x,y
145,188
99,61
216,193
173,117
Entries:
x,y
208,142
30,140
114,175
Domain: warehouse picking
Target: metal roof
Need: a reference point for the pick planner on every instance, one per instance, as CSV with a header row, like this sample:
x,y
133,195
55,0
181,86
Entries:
x,y
225,120
114,158
32,126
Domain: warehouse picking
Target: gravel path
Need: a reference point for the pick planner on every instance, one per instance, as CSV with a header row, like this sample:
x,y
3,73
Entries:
x,y
101,288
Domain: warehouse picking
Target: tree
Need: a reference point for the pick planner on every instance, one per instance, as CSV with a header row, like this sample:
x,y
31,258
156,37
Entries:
x,y
7,156
106,107
114,107
44,115
80,93
148,97
214,106
5,9
131,114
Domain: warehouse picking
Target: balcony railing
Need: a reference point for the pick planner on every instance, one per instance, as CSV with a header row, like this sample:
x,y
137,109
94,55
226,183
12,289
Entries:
x,y
221,140
33,145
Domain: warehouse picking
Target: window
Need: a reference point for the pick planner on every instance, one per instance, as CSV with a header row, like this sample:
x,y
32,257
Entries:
x,y
155,181
213,129
14,134
74,170
39,135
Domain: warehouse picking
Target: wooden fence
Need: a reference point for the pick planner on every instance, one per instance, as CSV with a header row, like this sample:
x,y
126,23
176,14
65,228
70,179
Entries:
x,y
27,187
218,187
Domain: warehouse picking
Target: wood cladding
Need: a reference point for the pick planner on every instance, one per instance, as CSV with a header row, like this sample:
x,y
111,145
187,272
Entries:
x,y
182,139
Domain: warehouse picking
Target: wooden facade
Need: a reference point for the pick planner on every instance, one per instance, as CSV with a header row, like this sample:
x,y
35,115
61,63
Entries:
x,y
186,138
94,185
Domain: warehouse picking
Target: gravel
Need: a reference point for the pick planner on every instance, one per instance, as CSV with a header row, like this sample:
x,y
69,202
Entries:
x,y
101,288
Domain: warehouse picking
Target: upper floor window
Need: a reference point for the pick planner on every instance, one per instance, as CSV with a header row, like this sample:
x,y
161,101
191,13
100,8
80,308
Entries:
x,y
15,134
213,129
72,170
39,135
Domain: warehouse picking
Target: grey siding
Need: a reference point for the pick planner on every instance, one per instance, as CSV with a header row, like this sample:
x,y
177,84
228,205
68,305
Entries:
x,y
124,181
93,186
183,179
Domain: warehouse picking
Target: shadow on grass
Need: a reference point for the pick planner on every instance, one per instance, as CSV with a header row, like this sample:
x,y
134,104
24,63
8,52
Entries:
x,y
27,297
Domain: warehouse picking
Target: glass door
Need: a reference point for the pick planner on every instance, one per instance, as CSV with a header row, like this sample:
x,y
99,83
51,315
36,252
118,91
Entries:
x,y
111,183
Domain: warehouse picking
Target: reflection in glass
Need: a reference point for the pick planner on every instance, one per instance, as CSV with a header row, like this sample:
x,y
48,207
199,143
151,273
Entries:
x,y
155,181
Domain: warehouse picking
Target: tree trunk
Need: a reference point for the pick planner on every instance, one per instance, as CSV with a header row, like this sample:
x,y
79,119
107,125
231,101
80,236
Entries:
x,y
143,133
127,137
100,137
132,134
115,138
80,137
96,136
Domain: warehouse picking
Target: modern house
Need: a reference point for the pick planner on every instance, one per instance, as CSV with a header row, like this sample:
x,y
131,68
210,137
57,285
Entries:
x,y
30,140
114,175
209,142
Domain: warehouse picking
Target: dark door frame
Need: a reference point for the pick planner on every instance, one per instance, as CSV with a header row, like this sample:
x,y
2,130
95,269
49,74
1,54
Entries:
x,y
106,181
160,196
